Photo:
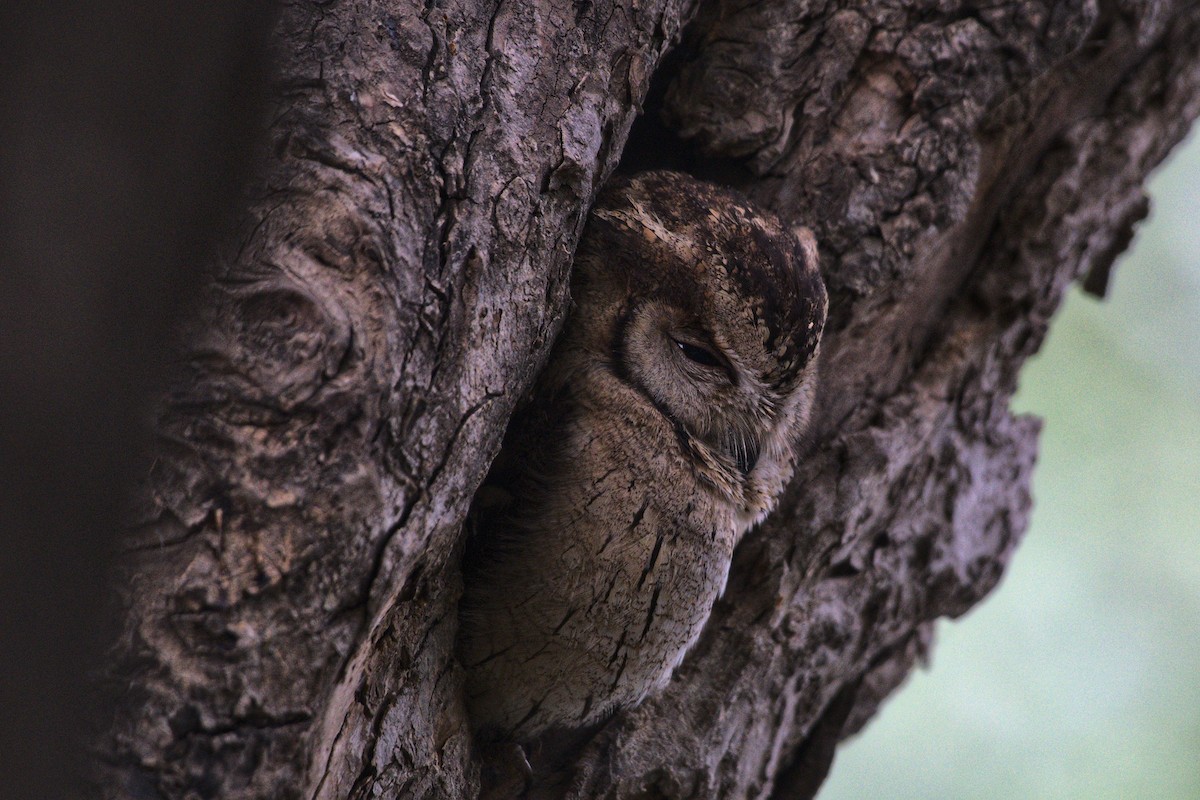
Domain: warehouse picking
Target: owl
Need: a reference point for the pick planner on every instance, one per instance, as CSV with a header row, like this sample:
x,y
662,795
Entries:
x,y
663,427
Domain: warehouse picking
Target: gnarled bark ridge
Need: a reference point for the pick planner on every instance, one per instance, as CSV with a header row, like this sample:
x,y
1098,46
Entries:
x,y
291,583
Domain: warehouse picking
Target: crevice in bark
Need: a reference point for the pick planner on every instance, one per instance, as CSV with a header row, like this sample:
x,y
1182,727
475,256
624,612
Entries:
x,y
655,144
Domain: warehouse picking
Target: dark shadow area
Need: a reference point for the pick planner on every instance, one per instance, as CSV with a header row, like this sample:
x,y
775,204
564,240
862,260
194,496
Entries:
x,y
653,144
125,131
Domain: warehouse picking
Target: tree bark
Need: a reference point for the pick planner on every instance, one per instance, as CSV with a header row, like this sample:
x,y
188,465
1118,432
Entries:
x,y
290,583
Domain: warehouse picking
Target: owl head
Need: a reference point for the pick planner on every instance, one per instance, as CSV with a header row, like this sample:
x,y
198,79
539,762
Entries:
x,y
713,311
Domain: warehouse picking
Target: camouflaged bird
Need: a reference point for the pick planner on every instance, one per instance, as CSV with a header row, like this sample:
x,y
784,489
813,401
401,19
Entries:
x,y
662,428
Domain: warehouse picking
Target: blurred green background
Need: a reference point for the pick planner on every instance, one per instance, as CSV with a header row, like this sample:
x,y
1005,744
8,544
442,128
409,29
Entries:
x,y
1079,677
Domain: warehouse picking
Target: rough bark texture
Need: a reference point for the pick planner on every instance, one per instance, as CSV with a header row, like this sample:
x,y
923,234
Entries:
x,y
290,586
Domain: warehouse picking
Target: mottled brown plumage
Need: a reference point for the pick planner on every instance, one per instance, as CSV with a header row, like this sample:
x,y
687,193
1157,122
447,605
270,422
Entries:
x,y
661,430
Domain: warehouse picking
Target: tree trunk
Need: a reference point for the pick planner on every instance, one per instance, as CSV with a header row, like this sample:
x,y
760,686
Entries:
x,y
290,583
